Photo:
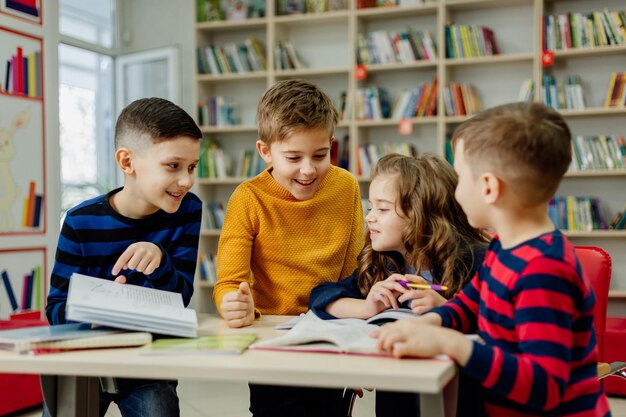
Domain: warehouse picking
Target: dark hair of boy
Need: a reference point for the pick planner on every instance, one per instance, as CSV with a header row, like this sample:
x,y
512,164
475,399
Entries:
x,y
526,144
152,120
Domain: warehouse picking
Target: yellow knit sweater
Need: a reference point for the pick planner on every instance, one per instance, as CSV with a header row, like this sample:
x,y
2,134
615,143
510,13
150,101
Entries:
x,y
284,247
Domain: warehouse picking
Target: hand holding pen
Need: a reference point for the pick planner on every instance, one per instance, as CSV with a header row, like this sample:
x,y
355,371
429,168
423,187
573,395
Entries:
x,y
423,296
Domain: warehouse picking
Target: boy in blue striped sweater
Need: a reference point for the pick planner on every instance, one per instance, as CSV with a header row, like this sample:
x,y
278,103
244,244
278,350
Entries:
x,y
144,233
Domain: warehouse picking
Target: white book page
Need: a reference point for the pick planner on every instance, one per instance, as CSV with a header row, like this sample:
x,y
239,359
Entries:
x,y
348,338
91,291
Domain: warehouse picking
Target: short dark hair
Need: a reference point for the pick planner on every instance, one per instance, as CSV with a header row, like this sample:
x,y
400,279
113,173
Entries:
x,y
291,106
527,144
152,120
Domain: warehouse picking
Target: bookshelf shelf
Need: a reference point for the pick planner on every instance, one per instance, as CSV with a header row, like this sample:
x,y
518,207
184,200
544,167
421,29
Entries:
x,y
312,18
221,181
225,25
22,96
379,13
402,66
597,173
228,129
210,232
458,5
327,43
582,52
596,233
395,122
617,293
257,75
311,71
595,111
494,59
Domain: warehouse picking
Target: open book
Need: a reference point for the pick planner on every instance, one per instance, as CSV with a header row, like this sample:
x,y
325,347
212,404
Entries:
x,y
96,300
379,319
312,334
218,344
68,337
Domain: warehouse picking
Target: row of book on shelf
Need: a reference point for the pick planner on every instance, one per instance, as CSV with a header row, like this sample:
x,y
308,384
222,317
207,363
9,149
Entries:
x,y
598,152
23,73
420,101
207,268
461,99
368,155
578,30
213,215
576,213
382,47
365,4
286,57
232,58
287,7
216,164
562,94
218,111
469,41
31,290
215,10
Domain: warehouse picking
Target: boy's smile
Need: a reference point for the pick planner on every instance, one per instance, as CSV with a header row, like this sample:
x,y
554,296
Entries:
x,y
300,162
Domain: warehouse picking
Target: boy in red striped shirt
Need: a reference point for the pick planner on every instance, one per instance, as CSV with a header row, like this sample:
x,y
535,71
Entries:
x,y
528,302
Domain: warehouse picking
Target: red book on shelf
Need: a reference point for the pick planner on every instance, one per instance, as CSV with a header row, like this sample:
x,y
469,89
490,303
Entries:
x,y
18,70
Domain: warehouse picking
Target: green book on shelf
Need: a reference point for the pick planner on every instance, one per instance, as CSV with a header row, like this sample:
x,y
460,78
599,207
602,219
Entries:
x,y
233,344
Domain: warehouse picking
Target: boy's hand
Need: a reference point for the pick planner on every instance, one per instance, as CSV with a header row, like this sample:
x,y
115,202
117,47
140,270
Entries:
x,y
143,257
416,337
238,307
384,294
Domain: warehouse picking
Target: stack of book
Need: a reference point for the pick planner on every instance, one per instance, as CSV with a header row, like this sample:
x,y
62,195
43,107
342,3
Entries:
x,y
578,30
67,337
616,94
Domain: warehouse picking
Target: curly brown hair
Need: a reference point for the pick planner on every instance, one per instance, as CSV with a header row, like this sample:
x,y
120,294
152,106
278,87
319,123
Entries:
x,y
437,235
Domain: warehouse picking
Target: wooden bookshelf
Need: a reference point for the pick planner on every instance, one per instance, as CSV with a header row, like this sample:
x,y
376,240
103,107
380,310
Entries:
x,y
327,43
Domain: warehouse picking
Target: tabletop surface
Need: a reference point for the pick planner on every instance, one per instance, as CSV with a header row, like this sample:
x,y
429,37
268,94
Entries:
x,y
258,366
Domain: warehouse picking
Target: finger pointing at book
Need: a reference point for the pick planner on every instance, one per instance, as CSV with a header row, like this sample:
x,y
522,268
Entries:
x,y
142,257
238,307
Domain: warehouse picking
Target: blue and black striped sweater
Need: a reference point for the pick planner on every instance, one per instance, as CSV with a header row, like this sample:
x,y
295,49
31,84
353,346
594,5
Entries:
x,y
94,236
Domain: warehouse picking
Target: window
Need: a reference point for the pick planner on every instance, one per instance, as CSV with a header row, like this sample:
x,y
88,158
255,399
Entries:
x,y
86,109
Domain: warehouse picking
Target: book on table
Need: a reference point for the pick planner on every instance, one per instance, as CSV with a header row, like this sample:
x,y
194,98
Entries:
x,y
312,334
218,344
379,319
131,307
72,336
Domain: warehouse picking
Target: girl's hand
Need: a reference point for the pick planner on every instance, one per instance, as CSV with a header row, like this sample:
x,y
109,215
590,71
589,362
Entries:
x,y
423,300
384,294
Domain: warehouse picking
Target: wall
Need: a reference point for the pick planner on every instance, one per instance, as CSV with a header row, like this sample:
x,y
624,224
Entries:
x,y
148,24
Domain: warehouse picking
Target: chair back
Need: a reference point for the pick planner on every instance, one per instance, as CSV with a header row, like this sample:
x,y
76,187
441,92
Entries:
x,y
596,267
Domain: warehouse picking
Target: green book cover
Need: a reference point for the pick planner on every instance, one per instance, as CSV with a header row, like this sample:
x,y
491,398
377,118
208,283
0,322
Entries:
x,y
204,345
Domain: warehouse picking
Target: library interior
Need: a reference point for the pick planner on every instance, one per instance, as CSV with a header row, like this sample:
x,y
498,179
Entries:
x,y
402,75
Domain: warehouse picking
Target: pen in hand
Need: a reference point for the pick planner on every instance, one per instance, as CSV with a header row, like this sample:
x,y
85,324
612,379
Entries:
x,y
419,286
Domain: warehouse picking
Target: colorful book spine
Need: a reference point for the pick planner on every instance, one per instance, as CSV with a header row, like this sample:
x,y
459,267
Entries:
x,y
9,290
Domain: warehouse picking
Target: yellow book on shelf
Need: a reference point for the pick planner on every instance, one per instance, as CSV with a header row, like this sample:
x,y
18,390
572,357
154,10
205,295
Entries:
x,y
609,93
571,215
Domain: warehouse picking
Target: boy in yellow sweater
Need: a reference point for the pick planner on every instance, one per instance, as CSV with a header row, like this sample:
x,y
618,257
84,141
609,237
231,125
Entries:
x,y
295,225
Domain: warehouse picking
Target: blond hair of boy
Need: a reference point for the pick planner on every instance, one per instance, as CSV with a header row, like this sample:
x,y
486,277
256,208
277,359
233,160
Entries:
x,y
529,301
295,225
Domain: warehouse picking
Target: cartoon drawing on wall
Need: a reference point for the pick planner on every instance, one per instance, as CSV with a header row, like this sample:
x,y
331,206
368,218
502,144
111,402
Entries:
x,y
7,183
22,139
22,283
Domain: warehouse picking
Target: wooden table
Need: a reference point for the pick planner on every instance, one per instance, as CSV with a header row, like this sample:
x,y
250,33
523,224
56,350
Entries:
x,y
71,378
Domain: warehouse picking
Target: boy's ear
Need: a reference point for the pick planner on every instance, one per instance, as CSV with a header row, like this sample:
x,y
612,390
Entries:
x,y
124,159
264,151
491,187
